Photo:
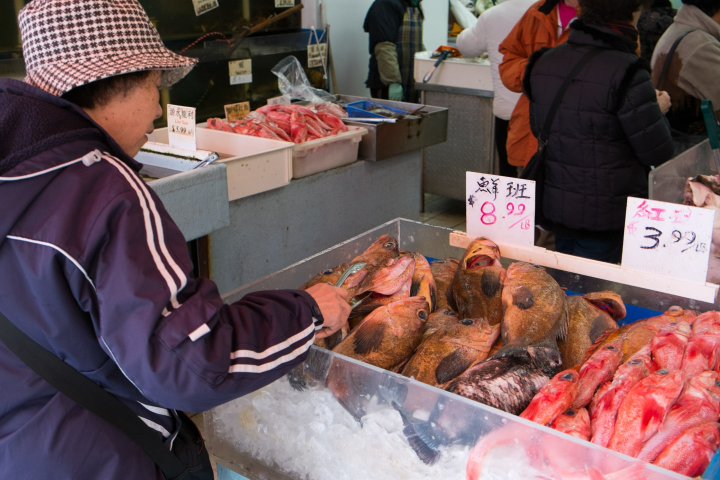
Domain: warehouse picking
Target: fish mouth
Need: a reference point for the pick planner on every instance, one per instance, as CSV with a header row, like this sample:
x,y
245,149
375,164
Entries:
x,y
479,261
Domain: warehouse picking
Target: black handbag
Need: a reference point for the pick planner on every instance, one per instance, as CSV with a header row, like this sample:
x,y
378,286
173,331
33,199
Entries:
x,y
188,459
535,168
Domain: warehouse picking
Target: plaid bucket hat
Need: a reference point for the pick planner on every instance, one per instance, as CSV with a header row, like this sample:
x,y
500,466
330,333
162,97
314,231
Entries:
x,y
70,43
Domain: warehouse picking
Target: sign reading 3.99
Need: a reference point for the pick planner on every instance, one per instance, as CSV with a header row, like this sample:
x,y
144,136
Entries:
x,y
667,239
500,208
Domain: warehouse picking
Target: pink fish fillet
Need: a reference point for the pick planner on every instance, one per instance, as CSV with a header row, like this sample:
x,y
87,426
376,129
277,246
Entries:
x,y
643,411
605,404
553,399
692,452
699,403
599,368
575,423
668,346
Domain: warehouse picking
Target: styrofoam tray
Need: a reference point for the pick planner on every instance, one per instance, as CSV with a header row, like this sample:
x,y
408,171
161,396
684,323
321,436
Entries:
x,y
254,165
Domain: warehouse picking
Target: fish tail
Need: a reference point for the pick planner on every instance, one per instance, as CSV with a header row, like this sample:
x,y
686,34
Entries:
x,y
296,378
315,367
420,437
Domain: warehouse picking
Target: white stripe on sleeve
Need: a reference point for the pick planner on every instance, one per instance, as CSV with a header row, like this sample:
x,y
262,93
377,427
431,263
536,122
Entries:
x,y
158,410
199,332
274,349
155,426
240,368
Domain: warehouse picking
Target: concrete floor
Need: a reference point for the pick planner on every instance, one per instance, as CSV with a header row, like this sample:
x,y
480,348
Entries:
x,y
444,212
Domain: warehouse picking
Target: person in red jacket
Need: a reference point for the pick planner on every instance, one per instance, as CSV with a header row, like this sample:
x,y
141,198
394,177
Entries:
x,y
96,272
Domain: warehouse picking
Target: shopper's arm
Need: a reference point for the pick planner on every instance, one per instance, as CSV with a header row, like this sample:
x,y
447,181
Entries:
x,y
639,113
700,72
473,41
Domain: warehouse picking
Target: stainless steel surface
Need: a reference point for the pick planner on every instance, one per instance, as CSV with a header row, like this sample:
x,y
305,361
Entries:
x,y
406,135
431,87
470,144
667,182
433,242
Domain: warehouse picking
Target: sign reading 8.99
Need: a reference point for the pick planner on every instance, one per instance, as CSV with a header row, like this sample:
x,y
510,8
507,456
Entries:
x,y
500,208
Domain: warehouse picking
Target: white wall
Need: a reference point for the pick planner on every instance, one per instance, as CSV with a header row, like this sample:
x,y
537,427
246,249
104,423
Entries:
x,y
350,42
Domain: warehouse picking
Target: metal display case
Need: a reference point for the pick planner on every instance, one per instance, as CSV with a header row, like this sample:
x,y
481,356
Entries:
x,y
279,433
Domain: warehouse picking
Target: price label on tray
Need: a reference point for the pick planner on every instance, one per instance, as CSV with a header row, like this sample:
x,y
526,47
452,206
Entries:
x,y
181,127
237,111
204,6
667,239
240,71
316,54
281,100
500,208
284,3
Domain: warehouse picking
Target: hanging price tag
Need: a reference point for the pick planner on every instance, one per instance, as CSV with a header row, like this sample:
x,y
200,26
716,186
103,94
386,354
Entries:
x,y
237,111
316,54
204,6
281,100
500,208
181,127
240,71
667,239
284,3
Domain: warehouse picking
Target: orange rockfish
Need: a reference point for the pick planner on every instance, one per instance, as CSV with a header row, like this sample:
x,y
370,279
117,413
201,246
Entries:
x,y
443,272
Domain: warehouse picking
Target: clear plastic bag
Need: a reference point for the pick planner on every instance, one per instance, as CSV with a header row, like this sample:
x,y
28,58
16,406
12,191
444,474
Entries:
x,y
293,82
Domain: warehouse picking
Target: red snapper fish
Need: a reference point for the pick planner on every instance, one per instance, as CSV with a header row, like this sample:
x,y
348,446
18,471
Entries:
x,y
699,403
668,346
643,411
553,399
701,354
599,368
692,452
575,423
607,400
706,324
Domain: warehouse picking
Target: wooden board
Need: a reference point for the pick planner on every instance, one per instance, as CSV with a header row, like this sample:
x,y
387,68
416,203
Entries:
x,y
593,268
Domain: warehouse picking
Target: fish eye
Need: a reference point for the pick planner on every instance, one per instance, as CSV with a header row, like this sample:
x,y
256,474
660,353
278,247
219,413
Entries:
x,y
672,323
467,322
567,376
328,271
662,371
611,347
717,383
450,313
389,245
674,308
570,413
422,314
637,361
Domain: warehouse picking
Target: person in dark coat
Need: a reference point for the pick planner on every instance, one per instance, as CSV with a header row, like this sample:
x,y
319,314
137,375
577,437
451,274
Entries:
x,y
608,130
95,271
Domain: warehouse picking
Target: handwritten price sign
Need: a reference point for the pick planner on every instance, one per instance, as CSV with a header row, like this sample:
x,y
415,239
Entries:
x,y
204,6
240,71
667,239
316,55
500,208
181,127
237,111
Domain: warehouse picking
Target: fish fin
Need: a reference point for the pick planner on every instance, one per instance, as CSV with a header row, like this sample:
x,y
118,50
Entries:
x,y
368,337
415,286
433,297
516,351
452,366
392,391
450,297
296,378
333,340
315,367
399,367
593,348
610,302
564,323
421,436
491,282
600,325
523,298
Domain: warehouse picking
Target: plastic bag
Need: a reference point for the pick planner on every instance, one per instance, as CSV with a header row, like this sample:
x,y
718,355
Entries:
x,y
294,83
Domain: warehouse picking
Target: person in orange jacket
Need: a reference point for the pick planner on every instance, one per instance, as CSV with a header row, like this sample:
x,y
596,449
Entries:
x,y
543,25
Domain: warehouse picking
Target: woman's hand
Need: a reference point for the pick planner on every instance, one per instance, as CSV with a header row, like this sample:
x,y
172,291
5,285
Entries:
x,y
663,100
333,303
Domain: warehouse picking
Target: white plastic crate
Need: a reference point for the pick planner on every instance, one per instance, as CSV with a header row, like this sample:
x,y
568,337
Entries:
x,y
315,156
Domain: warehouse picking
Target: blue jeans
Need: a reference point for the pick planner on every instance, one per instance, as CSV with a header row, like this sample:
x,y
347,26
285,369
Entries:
x,y
609,251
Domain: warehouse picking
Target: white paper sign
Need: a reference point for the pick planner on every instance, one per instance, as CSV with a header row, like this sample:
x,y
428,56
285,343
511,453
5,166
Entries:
x,y
237,111
240,71
181,127
501,209
203,6
667,239
284,3
281,100
316,54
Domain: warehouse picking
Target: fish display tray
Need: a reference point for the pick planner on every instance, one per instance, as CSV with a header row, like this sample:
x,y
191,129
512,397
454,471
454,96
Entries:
x,y
278,433
254,165
319,155
388,140
362,109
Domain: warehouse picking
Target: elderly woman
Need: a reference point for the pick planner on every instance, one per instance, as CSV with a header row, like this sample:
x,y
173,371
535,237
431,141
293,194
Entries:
x,y
608,129
96,272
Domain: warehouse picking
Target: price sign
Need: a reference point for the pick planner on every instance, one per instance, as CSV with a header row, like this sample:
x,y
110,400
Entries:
x,y
204,6
240,71
316,54
281,100
500,208
181,127
667,239
284,3
237,111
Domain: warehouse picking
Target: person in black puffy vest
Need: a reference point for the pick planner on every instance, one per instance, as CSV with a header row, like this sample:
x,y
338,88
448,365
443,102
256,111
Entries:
x,y
608,130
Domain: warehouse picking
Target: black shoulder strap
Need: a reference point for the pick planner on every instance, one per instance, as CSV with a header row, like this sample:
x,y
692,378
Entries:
x,y
669,58
545,133
89,395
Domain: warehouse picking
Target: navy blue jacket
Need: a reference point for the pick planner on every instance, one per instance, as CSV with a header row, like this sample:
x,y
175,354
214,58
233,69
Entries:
x,y
94,269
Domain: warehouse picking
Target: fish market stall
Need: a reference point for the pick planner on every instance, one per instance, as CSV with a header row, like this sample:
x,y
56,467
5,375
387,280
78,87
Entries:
x,y
464,87
338,417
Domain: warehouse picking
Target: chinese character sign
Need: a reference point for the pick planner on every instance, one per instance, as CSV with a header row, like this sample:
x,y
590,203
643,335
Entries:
x,y
316,54
203,6
181,127
500,208
667,239
237,111
240,71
